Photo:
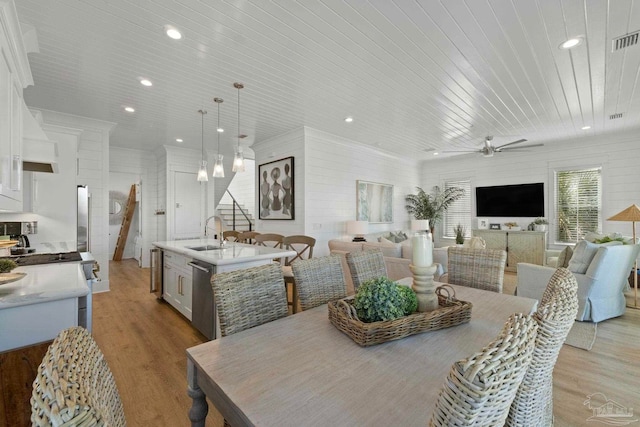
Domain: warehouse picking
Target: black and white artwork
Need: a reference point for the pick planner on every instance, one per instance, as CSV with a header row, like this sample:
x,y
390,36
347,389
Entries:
x,y
275,184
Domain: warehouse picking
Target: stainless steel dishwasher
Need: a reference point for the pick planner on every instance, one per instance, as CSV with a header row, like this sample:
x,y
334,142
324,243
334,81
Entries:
x,y
204,314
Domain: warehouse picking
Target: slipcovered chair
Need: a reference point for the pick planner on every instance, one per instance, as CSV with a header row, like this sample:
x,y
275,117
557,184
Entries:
x,y
479,390
533,404
319,280
249,297
366,265
601,272
74,385
476,268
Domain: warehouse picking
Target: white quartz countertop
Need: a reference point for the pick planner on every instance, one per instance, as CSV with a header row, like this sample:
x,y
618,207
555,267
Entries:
x,y
44,282
231,253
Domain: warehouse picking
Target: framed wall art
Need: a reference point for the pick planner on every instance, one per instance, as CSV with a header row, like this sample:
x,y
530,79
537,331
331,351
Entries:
x,y
275,190
483,223
494,226
374,202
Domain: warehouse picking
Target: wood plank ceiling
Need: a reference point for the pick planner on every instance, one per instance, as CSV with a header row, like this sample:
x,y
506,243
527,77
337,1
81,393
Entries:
x,y
416,75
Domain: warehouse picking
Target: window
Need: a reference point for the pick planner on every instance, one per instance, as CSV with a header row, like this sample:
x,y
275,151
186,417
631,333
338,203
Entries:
x,y
578,203
459,212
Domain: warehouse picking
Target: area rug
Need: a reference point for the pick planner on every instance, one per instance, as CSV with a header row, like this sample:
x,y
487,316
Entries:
x,y
582,335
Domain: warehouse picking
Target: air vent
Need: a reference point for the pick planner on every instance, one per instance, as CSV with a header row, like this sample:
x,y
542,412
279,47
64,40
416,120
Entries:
x,y
615,116
625,41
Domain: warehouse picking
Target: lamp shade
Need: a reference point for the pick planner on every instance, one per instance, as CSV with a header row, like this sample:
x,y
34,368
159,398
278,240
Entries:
x,y
357,227
419,224
632,213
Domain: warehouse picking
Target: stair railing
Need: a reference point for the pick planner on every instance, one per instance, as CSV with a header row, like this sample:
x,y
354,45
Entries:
x,y
235,203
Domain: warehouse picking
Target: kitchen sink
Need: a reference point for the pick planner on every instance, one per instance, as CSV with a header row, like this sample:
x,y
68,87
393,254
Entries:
x,y
204,248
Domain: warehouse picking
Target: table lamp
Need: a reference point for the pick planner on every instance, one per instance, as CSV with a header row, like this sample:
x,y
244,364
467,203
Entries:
x,y
419,224
358,229
631,214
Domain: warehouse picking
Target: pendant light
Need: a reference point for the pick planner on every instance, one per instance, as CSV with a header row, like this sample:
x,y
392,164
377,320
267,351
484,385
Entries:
x,y
218,167
202,172
238,159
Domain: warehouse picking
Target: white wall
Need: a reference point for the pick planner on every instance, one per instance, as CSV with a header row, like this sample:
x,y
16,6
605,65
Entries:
x,y
326,168
243,187
618,155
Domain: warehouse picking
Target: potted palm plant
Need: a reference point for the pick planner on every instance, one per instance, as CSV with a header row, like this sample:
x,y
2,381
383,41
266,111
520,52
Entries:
x,y
432,206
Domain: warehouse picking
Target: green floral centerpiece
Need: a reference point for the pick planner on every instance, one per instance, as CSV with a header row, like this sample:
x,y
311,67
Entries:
x,y
6,265
383,299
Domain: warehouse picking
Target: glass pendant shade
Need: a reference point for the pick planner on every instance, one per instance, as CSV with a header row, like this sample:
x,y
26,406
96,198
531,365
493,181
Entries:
x,y
238,161
218,168
202,173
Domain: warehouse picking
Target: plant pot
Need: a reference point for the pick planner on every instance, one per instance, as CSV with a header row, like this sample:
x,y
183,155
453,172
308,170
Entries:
x,y
540,227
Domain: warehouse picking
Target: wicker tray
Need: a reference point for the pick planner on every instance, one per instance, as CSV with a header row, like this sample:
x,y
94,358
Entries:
x,y
452,312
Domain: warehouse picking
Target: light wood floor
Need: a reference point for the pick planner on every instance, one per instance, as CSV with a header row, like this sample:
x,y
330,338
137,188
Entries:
x,y
144,342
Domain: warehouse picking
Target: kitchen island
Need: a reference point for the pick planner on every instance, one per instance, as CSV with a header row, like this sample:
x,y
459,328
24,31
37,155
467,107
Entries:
x,y
41,304
181,274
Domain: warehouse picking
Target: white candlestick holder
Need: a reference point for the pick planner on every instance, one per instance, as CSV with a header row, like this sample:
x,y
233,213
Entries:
x,y
424,287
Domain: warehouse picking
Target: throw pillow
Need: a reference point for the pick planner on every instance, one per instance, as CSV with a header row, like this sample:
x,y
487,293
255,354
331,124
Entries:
x,y
386,241
582,256
564,257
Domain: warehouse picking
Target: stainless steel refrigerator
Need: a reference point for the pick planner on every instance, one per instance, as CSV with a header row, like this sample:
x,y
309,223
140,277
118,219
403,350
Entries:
x,y
84,205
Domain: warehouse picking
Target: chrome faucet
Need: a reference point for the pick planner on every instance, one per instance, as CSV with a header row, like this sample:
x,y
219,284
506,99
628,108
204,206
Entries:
x,y
216,218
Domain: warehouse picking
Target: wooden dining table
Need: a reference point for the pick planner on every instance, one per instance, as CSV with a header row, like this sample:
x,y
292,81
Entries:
x,y
300,370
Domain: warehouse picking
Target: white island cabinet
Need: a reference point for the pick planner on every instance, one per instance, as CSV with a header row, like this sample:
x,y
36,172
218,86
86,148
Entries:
x,y
178,279
37,307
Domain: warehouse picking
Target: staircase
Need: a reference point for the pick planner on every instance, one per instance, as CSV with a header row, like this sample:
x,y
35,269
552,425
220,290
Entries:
x,y
226,212
126,223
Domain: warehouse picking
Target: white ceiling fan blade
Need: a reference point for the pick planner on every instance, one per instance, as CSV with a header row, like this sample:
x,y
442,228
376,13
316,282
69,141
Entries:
x,y
461,151
519,148
520,141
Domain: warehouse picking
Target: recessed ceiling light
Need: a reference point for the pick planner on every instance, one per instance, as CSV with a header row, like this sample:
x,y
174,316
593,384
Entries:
x,y
220,130
129,109
586,127
348,119
146,82
571,43
172,32
178,139
436,153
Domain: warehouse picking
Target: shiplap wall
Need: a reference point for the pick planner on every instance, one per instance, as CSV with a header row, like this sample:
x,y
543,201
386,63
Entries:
x,y
243,187
142,163
326,170
161,182
619,156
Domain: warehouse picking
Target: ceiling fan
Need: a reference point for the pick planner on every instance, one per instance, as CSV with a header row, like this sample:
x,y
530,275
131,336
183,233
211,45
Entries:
x,y
489,149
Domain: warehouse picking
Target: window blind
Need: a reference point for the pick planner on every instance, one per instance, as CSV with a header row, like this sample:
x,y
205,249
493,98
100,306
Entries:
x,y
459,212
578,203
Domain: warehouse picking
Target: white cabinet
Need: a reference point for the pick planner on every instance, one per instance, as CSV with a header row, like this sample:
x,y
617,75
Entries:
x,y
178,283
15,75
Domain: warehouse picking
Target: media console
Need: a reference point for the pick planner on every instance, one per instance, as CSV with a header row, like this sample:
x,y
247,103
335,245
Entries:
x,y
521,246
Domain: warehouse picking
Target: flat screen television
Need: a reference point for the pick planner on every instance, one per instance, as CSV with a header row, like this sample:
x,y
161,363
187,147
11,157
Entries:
x,y
521,200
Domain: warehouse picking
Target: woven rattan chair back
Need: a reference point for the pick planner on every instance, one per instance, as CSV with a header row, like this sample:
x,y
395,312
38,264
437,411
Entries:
x,y
477,268
365,265
231,235
319,280
270,240
248,237
249,297
533,404
480,389
74,385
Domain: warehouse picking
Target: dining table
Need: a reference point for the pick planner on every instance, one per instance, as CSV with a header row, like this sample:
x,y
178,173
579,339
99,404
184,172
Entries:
x,y
300,370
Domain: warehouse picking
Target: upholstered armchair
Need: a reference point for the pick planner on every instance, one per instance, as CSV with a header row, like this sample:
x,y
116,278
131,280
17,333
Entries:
x,y
601,272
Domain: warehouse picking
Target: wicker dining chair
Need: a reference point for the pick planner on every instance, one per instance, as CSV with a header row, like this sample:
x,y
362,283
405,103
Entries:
x,y
303,245
231,235
479,390
248,237
533,404
74,385
249,297
476,268
319,280
365,265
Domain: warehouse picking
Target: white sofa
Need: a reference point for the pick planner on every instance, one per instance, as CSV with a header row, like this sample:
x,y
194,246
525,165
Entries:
x,y
601,274
397,257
